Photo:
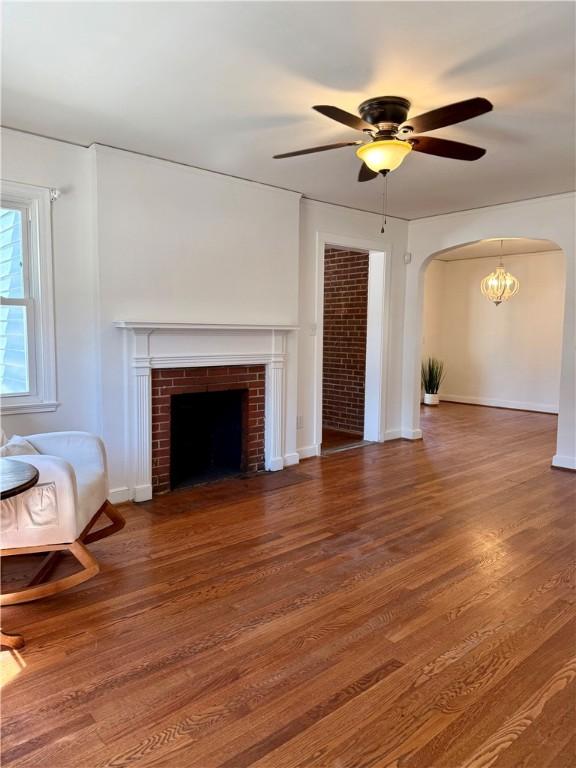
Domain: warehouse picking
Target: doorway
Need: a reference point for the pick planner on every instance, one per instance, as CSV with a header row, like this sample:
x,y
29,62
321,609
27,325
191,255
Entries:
x,y
346,275
503,356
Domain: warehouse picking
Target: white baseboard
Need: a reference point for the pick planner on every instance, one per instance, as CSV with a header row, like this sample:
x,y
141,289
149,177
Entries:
x,y
275,465
392,434
308,451
411,434
118,495
564,462
291,458
516,405
142,493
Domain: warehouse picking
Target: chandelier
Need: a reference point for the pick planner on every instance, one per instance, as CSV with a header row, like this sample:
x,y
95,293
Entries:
x,y
500,285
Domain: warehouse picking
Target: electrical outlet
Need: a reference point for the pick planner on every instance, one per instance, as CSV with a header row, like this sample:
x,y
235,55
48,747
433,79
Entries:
x,y
299,422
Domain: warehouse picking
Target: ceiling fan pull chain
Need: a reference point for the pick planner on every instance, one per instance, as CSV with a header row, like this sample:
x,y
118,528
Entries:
x,y
385,205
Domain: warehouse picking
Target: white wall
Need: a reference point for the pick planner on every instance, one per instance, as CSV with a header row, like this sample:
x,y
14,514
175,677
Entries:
x,y
180,244
432,311
548,218
42,162
143,239
177,244
355,229
507,356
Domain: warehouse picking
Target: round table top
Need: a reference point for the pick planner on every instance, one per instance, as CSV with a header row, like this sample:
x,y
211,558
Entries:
x,y
16,477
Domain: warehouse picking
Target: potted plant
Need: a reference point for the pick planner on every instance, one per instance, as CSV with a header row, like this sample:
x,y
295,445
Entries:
x,y
432,377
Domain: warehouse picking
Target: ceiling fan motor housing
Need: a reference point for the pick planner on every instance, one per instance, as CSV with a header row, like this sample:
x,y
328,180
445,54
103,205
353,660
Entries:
x,y
384,109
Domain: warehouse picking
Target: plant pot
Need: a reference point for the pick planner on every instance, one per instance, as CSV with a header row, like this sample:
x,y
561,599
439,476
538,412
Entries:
x,y
431,399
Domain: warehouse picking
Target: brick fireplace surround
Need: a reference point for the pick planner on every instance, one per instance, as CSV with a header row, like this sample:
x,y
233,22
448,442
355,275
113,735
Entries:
x,y
260,354
177,381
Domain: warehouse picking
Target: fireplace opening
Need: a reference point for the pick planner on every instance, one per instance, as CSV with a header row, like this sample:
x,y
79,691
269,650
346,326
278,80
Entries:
x,y
207,436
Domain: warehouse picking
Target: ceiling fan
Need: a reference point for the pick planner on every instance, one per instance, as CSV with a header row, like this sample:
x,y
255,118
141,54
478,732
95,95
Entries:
x,y
393,135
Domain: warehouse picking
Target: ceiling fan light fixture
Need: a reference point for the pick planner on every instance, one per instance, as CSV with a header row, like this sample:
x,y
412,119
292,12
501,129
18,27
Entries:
x,y
384,155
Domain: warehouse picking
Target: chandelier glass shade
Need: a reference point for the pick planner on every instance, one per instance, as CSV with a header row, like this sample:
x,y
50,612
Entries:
x,y
384,155
500,285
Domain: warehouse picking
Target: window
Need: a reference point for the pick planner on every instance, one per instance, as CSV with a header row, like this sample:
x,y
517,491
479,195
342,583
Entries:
x,y
27,370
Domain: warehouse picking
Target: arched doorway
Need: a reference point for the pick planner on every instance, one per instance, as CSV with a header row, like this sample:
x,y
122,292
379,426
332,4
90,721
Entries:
x,y
545,219
504,357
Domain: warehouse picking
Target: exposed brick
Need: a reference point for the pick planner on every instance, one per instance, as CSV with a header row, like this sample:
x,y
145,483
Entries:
x,y
345,329
167,382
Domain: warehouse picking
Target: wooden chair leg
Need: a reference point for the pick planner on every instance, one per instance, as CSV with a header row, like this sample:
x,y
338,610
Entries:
x,y
116,524
38,586
51,561
90,568
10,640
46,568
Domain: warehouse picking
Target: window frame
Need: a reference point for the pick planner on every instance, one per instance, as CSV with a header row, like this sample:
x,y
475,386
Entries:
x,y
35,204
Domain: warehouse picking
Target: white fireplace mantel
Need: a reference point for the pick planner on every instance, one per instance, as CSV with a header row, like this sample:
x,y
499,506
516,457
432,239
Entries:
x,y
176,345
150,325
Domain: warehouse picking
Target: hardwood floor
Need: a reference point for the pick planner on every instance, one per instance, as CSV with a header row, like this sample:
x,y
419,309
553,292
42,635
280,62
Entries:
x,y
335,439
405,605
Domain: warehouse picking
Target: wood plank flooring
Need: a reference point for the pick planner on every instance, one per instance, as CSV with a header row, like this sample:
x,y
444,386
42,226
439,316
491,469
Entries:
x,y
336,440
407,605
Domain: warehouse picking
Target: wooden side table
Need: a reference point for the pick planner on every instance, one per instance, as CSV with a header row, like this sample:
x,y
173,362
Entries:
x,y
15,477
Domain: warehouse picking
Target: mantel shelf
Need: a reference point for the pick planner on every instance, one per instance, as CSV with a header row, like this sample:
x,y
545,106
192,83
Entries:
x,y
151,325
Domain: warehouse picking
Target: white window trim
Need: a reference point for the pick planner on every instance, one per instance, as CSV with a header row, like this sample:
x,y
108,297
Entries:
x,y
42,396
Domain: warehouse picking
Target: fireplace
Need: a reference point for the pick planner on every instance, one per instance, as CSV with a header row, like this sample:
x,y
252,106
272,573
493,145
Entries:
x,y
207,431
171,358
207,422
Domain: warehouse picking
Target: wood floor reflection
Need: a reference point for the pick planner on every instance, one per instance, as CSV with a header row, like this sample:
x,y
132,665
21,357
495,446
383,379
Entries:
x,y
408,604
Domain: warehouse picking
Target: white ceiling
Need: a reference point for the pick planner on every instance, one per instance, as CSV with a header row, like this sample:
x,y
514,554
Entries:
x,y
484,249
224,86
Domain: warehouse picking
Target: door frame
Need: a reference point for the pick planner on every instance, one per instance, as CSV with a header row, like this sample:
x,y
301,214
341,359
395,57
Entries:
x,y
377,336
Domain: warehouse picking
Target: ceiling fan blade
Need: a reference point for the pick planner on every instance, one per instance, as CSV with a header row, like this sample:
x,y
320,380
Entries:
x,y
366,174
449,115
334,113
445,148
310,150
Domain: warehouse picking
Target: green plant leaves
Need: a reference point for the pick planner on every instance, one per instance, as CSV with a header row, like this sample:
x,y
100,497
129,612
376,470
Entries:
x,y
432,375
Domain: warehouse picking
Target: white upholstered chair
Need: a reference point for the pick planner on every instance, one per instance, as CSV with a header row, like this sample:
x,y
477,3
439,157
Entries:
x,y
59,513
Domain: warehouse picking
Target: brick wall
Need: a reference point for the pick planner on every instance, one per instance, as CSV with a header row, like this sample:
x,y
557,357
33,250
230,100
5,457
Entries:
x,y
345,327
178,381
